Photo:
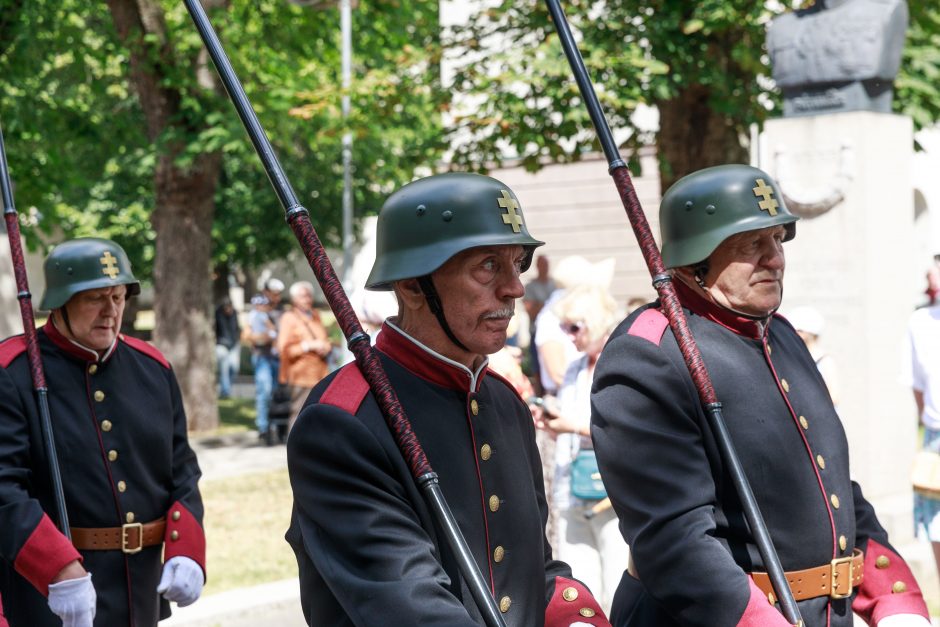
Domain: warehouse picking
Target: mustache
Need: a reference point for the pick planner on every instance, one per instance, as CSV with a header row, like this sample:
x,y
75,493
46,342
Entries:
x,y
507,312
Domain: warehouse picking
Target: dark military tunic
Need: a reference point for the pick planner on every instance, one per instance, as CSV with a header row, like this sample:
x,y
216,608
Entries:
x,y
368,547
678,508
120,436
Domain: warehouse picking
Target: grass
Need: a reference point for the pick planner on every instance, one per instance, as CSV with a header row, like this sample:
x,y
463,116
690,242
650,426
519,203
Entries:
x,y
235,414
246,517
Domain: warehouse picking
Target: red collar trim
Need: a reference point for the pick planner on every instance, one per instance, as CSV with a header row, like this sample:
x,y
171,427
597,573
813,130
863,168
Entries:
x,y
426,363
719,315
72,347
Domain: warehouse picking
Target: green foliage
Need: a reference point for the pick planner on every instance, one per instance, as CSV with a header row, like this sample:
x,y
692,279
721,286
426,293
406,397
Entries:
x,y
637,52
78,142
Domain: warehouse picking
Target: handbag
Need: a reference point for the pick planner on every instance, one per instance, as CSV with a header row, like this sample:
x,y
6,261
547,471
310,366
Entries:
x,y
586,478
925,473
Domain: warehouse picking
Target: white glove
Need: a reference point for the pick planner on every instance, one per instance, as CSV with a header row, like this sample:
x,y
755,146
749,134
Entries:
x,y
579,624
74,601
904,620
182,581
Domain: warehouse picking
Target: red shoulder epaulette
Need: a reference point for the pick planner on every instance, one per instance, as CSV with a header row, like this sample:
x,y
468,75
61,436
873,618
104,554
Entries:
x,y
146,348
11,348
347,389
650,325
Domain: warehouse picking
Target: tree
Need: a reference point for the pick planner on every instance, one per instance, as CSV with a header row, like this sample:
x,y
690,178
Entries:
x,y
115,126
701,64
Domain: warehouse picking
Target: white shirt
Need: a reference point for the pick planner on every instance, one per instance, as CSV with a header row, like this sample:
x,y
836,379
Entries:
x,y
920,368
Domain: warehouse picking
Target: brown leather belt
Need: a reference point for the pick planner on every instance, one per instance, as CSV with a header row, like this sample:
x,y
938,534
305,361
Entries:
x,y
129,538
836,579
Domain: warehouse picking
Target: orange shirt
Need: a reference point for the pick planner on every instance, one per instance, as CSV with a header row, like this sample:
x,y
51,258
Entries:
x,y
300,364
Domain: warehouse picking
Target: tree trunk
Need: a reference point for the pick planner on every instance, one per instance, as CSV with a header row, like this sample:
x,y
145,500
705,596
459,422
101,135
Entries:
x,y
182,217
183,222
693,136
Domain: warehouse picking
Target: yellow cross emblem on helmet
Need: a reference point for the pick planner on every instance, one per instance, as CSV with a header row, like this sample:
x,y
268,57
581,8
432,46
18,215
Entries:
x,y
764,191
109,265
511,205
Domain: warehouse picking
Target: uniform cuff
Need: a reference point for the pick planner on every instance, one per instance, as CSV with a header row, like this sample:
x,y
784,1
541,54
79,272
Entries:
x,y
44,554
888,587
184,536
572,602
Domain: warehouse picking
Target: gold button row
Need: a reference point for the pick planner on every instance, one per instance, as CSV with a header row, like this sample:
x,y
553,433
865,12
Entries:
x,y
106,425
122,487
129,517
785,385
804,422
92,369
112,455
504,604
842,542
486,451
498,554
494,503
99,395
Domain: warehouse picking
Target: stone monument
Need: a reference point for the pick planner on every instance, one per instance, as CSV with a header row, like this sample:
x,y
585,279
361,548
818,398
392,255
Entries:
x,y
843,162
838,55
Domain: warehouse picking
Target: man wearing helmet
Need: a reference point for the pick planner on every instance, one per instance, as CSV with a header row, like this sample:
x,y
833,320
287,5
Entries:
x,y
694,561
129,475
452,247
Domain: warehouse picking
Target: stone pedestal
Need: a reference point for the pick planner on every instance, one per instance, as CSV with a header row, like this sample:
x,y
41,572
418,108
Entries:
x,y
853,260
10,321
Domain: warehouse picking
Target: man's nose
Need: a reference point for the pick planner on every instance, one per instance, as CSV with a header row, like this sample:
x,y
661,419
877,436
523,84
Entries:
x,y
512,286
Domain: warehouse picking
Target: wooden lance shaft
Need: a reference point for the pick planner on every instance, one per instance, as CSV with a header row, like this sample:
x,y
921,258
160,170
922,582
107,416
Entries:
x,y
662,281
357,339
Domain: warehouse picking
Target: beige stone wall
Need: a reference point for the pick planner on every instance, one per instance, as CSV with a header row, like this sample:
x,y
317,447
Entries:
x,y
575,210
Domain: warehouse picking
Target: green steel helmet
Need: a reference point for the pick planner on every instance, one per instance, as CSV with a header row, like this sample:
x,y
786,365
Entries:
x,y
83,264
430,220
703,209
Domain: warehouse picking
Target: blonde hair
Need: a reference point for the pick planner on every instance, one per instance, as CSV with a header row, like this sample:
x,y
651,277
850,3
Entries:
x,y
591,305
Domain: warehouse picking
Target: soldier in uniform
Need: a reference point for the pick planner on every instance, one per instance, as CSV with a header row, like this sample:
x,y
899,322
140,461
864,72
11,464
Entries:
x,y
694,561
129,475
452,247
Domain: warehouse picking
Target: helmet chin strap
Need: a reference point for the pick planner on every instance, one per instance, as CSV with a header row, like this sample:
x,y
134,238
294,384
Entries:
x,y
434,302
699,274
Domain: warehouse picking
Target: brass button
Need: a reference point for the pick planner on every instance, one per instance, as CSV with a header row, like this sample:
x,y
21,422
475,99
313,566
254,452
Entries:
x,y
474,407
99,395
821,461
771,598
112,455
586,612
485,452
176,515
898,586
842,542
785,385
122,487
569,594
92,369
504,604
804,422
105,425
174,535
494,503
129,517
769,350
834,500
498,554
882,562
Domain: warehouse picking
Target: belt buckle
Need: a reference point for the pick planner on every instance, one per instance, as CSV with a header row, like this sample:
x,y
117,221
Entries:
x,y
140,538
834,566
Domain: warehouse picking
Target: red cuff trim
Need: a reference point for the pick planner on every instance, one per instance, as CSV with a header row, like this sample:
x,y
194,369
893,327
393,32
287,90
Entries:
x,y
650,325
760,612
44,554
3,620
346,390
184,536
888,589
573,602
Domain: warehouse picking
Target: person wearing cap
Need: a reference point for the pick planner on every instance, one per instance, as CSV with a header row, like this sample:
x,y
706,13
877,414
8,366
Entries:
x,y
128,472
452,247
694,560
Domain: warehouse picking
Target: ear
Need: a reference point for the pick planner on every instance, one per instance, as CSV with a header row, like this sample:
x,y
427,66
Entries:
x,y
409,295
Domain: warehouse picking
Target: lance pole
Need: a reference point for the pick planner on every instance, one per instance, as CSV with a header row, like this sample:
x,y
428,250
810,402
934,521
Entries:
x,y
32,340
662,281
357,340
